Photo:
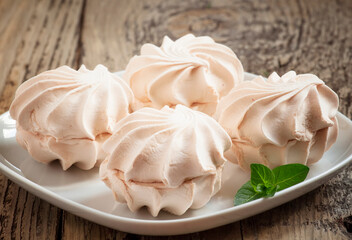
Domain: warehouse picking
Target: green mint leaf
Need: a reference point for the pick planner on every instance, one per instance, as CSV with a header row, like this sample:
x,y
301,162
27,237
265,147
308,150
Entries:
x,y
246,194
261,174
289,175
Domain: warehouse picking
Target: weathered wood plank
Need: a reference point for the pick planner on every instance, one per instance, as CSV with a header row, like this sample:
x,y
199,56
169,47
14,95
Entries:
x,y
35,36
104,34
14,19
49,41
77,228
24,216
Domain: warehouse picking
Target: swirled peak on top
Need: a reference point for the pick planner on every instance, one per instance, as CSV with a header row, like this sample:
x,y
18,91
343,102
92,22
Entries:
x,y
168,159
66,114
193,71
288,119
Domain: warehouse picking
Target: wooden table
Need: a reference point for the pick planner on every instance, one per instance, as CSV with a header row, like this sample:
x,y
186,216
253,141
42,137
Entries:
x,y
306,36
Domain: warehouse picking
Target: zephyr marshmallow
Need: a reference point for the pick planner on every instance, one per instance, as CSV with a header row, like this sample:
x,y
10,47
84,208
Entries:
x,y
193,71
281,120
169,159
67,114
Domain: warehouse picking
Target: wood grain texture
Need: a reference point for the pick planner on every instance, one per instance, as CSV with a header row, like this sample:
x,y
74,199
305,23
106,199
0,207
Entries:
x,y
307,36
39,35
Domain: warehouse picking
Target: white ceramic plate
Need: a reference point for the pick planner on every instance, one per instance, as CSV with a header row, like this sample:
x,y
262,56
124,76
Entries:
x,y
83,194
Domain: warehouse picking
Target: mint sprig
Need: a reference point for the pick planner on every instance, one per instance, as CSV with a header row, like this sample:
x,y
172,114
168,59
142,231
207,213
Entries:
x,y
266,182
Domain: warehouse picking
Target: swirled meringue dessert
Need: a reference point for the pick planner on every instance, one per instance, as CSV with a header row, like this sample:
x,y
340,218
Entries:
x,y
281,120
169,159
192,71
67,114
